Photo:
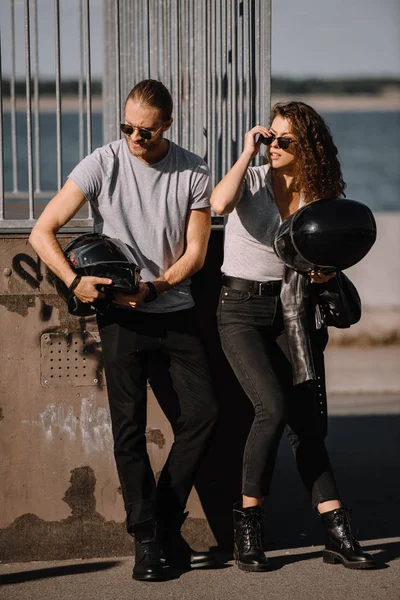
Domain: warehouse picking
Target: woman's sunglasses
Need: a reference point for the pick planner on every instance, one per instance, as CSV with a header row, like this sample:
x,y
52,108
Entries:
x,y
283,142
146,134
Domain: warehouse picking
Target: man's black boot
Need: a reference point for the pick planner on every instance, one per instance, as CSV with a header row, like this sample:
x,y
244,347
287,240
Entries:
x,y
340,545
148,566
248,551
176,551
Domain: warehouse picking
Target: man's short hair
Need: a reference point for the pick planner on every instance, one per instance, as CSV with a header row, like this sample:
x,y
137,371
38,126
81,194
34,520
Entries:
x,y
153,93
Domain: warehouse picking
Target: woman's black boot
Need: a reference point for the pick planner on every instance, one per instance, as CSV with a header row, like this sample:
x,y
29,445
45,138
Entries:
x,y
340,545
248,550
148,566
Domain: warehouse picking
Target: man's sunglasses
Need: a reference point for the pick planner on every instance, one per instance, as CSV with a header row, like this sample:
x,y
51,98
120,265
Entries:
x,y
283,142
146,134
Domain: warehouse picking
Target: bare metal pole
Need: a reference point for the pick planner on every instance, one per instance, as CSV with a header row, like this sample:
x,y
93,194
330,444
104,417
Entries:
x,y
1,141
58,91
28,109
80,85
88,80
13,102
117,66
36,96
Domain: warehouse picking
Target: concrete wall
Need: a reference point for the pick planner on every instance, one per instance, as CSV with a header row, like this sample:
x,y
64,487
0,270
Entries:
x,y
60,494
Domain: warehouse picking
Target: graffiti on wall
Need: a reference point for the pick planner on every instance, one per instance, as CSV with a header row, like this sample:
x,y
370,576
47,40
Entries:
x,y
90,425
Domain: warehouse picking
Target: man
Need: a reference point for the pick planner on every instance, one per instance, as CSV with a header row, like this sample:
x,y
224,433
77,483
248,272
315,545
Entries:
x,y
154,196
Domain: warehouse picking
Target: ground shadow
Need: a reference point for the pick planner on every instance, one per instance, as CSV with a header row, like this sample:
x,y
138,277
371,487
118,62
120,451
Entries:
x,y
59,571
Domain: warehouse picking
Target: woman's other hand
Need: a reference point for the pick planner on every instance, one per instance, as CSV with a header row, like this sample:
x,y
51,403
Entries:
x,y
320,277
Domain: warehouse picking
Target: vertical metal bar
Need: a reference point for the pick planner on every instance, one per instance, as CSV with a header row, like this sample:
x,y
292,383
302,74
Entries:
x,y
13,103
223,91
246,66
28,109
240,76
266,35
175,33
184,73
58,90
117,66
36,96
209,85
80,84
203,78
166,46
229,76
146,27
152,39
88,81
1,140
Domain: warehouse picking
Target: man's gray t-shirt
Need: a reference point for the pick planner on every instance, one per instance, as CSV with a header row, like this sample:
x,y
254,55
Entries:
x,y
250,231
147,207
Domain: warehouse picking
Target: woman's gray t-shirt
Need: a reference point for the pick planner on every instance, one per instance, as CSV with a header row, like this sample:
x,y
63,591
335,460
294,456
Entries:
x,y
147,207
251,229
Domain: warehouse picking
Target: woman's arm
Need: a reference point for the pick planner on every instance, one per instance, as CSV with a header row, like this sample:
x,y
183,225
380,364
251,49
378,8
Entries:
x,y
226,194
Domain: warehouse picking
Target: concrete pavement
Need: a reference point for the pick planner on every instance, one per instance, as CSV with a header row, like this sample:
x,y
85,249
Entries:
x,y
296,574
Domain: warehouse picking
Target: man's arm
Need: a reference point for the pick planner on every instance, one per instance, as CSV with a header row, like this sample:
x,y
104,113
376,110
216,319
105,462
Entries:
x,y
43,239
198,229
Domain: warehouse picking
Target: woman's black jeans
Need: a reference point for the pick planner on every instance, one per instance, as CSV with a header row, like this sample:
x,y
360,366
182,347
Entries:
x,y
130,340
249,326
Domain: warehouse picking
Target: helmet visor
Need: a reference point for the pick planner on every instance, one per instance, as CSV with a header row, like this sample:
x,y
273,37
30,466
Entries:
x,y
99,251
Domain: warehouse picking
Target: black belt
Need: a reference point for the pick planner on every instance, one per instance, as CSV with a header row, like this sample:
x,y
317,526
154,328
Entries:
x,y
258,288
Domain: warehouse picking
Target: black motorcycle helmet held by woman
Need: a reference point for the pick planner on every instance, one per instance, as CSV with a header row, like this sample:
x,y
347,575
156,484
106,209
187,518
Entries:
x,y
97,255
329,235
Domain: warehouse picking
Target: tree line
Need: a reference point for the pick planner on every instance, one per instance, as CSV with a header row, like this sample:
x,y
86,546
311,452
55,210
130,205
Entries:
x,y
279,85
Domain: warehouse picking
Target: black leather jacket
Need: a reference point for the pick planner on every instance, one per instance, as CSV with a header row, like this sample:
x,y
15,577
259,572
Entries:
x,y
306,342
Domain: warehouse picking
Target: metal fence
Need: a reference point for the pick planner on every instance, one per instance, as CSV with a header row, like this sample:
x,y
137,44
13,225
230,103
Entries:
x,y
213,55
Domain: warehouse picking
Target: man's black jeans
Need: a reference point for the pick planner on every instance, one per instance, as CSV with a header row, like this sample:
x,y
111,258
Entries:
x,y
249,326
130,340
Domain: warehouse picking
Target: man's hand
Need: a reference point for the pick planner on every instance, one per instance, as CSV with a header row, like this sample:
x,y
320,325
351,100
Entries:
x,y
131,300
320,277
89,288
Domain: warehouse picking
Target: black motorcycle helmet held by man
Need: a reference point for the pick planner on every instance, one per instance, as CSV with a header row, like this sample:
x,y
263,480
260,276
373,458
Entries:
x,y
326,235
97,255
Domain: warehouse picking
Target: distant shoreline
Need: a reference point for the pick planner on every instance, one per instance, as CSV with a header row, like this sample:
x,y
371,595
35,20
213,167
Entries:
x,y
323,102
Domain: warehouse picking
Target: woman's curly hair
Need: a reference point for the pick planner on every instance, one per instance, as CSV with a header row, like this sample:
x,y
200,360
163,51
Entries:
x,y
317,169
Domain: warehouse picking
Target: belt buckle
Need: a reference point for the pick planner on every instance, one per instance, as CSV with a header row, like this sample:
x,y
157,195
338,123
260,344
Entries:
x,y
260,288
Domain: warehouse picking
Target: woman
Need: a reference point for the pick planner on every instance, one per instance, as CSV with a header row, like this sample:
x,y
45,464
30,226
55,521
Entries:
x,y
302,166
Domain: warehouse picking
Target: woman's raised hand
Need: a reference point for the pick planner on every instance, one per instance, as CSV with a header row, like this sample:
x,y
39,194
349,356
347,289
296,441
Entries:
x,y
251,145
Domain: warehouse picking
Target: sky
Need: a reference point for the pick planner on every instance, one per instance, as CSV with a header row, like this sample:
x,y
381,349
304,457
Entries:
x,y
310,38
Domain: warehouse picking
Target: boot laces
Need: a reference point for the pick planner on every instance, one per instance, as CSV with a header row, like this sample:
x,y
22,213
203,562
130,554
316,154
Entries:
x,y
347,535
252,530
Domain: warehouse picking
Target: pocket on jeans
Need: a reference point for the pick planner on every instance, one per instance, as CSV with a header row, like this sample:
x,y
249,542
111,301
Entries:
x,y
230,296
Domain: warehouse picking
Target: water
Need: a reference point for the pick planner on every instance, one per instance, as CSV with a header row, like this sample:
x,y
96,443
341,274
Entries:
x,y
369,151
